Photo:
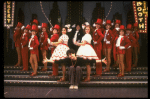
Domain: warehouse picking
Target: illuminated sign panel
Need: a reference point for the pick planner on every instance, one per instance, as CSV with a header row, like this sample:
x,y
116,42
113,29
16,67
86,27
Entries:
x,y
9,14
140,14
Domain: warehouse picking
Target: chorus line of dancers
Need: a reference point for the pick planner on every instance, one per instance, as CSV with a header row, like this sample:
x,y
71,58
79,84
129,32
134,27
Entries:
x,y
76,46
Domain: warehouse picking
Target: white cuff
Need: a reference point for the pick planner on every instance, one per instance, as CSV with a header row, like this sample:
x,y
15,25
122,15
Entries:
x,y
22,27
95,42
107,42
39,26
122,47
48,40
31,48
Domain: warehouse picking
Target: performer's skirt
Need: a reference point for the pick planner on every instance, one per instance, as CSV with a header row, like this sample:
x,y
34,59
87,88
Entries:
x,y
87,52
59,52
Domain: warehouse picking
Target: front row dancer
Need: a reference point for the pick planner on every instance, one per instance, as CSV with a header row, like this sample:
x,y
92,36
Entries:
x,y
120,44
34,52
74,63
85,52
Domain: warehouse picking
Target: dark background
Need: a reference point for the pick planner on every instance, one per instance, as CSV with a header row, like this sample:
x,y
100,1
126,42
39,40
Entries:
x,y
71,12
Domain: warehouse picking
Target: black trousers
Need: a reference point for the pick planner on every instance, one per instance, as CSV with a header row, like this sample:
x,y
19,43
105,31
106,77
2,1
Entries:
x,y
75,75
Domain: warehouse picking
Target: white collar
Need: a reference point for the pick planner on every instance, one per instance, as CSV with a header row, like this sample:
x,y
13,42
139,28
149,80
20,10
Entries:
x,y
120,36
32,36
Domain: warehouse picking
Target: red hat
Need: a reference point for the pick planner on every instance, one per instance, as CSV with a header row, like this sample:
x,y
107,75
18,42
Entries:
x,y
99,21
135,24
44,25
35,21
34,28
122,27
108,22
129,27
118,22
19,25
28,27
56,27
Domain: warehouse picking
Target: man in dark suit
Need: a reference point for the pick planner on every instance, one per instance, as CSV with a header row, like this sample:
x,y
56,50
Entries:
x,y
76,35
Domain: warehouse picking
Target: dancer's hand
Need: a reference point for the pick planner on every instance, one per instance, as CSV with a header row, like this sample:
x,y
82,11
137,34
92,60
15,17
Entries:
x,y
104,60
45,60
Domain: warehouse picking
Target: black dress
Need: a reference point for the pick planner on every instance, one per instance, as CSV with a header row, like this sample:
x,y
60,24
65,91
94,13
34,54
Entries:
x,y
79,61
79,38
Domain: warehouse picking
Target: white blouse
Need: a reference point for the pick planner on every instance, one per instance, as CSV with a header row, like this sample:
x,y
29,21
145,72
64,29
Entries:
x,y
65,38
87,38
118,41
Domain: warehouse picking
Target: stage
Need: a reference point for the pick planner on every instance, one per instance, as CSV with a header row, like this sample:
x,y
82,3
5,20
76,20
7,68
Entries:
x,y
82,92
18,84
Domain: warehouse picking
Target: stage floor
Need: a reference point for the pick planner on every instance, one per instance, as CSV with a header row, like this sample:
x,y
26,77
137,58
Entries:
x,y
83,92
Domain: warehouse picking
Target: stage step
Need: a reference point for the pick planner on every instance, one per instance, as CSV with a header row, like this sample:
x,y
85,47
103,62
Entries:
x,y
93,68
138,77
111,73
102,78
83,84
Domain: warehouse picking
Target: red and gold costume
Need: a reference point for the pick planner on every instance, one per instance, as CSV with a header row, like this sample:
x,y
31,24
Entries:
x,y
128,54
44,44
107,45
34,52
16,38
136,46
97,40
120,44
24,48
54,38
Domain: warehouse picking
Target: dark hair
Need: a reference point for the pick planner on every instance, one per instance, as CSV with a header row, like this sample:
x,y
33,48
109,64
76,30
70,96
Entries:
x,y
70,51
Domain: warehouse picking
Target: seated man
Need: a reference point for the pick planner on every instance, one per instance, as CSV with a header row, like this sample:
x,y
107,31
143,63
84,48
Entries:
x,y
75,71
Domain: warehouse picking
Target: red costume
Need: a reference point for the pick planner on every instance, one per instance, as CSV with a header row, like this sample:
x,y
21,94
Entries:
x,y
97,39
128,54
54,38
16,38
24,48
135,46
116,34
17,35
34,43
120,44
43,38
107,45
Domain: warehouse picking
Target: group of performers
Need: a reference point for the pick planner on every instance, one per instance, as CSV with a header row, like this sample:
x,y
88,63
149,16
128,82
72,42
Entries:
x,y
77,46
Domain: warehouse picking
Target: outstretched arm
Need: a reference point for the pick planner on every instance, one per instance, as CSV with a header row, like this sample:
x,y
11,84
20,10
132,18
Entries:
x,y
103,60
48,60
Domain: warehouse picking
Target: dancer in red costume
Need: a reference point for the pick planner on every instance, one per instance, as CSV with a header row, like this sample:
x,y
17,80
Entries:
x,y
44,44
97,41
54,38
120,44
128,54
24,47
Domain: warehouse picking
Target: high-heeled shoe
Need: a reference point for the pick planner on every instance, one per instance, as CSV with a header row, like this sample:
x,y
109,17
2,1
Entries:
x,y
43,69
33,74
105,70
120,75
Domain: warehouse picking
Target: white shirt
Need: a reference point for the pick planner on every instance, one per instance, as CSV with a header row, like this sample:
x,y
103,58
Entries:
x,y
105,35
75,36
118,41
87,38
31,40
